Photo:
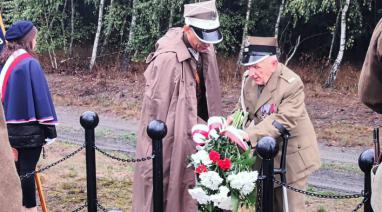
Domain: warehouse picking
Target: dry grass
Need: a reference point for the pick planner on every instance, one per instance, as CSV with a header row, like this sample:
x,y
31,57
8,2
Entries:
x,y
65,185
346,134
338,116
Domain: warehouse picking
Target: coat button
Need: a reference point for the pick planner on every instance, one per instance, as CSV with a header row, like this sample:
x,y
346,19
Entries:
x,y
299,146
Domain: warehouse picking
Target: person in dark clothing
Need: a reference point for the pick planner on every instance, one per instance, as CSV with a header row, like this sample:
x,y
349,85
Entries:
x,y
29,111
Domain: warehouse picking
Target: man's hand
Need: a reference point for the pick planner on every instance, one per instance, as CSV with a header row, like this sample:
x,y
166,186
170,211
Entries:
x,y
15,154
229,120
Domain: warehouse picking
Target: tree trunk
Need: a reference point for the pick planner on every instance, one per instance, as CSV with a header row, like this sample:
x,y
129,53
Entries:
x,y
172,11
63,26
109,26
245,29
96,40
334,70
277,25
71,27
281,11
127,57
334,35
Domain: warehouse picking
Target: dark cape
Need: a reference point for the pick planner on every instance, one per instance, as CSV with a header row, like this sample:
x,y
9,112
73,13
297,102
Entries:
x,y
27,97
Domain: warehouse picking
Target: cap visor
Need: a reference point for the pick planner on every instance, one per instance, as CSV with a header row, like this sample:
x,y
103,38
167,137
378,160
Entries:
x,y
249,60
208,36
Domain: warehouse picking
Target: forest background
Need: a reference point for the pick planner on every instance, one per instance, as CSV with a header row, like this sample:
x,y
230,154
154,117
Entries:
x,y
329,32
93,52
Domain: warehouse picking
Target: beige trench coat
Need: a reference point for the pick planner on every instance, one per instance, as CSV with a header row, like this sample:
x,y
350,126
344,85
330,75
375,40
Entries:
x,y
170,96
10,188
285,91
370,81
369,90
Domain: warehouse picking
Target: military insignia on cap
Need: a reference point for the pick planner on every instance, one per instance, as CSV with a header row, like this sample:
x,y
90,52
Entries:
x,y
259,48
204,20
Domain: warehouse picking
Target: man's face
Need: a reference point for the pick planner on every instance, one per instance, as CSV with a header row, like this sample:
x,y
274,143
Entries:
x,y
194,41
262,71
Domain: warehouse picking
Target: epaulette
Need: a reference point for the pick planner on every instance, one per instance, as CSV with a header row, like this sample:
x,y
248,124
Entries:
x,y
289,77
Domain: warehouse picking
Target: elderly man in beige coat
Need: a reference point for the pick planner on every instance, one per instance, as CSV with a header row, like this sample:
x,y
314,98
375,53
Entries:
x,y
369,90
272,92
10,188
182,89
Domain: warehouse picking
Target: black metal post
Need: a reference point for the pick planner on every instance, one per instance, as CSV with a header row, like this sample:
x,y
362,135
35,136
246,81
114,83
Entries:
x,y
157,130
267,149
89,120
365,162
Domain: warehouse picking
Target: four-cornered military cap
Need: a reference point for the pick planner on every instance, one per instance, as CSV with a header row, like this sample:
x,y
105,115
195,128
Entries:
x,y
204,20
257,49
18,30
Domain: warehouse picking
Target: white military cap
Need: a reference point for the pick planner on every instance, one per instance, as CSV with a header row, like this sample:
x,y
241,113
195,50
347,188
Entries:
x,y
204,20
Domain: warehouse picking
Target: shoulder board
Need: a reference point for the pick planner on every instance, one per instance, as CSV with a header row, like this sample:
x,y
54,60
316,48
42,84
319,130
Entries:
x,y
289,79
289,76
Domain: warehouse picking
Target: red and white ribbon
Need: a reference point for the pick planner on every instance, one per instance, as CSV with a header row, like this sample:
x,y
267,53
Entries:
x,y
199,134
215,125
235,135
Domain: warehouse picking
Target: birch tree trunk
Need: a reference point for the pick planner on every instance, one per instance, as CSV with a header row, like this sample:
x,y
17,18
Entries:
x,y
109,26
334,69
63,26
277,25
126,58
334,35
245,30
96,40
172,11
71,27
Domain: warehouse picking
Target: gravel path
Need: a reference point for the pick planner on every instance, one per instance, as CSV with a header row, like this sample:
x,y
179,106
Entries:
x,y
339,172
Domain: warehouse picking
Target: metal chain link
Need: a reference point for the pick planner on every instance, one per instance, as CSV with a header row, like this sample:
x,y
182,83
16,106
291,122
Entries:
x,y
359,206
259,196
101,207
122,159
51,165
346,196
80,208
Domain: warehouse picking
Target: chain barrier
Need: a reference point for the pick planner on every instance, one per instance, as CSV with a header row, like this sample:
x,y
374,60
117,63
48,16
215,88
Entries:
x,y
259,194
101,207
122,159
359,206
52,165
80,208
346,196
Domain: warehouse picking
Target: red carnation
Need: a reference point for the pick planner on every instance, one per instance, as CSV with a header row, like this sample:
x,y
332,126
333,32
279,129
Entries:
x,y
201,168
214,156
225,164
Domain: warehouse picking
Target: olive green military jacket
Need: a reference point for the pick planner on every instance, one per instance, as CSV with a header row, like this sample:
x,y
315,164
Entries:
x,y
282,99
370,81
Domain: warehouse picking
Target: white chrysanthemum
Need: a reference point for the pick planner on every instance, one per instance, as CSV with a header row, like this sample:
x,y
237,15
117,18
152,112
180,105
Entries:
x,y
201,157
199,195
244,182
211,180
221,199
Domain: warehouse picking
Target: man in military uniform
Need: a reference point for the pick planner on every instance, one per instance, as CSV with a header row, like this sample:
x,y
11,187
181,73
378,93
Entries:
x,y
369,90
182,89
272,92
